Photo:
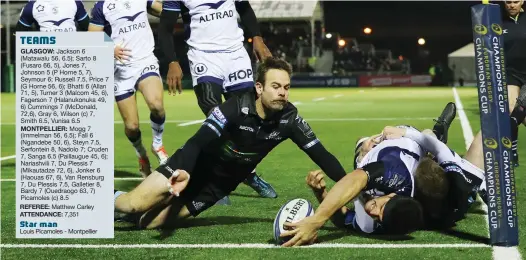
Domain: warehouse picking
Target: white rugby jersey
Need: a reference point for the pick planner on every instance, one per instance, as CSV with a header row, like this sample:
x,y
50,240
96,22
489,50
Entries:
x,y
212,25
127,24
53,15
400,158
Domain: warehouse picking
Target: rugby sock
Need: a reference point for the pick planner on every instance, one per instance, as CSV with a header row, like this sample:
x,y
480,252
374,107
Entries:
x,y
157,129
137,144
517,116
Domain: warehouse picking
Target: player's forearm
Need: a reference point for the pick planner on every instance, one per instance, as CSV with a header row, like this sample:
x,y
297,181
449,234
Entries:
x,y
343,191
166,27
338,218
248,19
326,161
431,144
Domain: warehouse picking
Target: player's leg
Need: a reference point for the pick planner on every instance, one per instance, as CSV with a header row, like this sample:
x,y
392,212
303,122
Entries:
x,y
515,81
151,86
239,78
127,105
444,121
207,81
150,192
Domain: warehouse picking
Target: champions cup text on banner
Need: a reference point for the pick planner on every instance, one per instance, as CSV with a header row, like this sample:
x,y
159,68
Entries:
x,y
64,135
495,124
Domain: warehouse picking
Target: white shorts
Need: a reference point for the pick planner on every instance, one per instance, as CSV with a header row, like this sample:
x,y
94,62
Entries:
x,y
127,77
232,70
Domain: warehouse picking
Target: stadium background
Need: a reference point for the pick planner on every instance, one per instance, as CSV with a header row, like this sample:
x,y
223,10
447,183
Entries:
x,y
347,91
389,55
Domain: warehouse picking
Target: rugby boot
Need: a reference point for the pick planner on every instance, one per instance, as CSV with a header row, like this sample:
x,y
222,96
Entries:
x,y
224,201
263,188
161,155
443,122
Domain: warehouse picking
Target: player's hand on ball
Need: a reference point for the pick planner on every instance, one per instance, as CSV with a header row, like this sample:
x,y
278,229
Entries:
x,y
177,183
391,132
121,54
315,180
174,78
304,232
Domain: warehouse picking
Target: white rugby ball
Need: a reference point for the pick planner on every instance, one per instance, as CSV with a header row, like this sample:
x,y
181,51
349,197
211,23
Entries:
x,y
293,211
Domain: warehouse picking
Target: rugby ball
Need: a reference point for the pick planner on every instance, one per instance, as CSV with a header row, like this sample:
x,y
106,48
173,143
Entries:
x,y
293,211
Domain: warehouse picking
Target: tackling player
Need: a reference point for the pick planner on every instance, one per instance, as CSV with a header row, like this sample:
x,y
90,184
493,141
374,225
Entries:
x,y
53,16
387,175
219,63
232,141
136,68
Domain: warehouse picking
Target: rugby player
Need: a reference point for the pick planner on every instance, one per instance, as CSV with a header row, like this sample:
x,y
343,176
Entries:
x,y
136,68
382,187
53,16
219,63
514,31
232,141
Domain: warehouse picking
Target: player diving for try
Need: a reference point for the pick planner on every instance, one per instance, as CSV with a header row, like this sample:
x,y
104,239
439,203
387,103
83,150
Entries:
x,y
451,184
231,142
136,68
219,63
53,16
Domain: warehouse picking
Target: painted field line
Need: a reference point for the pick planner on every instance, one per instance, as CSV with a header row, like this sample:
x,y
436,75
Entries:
x,y
296,103
318,99
115,246
8,157
116,179
499,253
191,122
337,96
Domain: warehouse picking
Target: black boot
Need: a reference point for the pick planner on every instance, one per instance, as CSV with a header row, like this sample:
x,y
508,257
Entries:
x,y
443,122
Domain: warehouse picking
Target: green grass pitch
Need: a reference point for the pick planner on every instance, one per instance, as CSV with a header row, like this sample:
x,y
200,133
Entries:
x,y
339,119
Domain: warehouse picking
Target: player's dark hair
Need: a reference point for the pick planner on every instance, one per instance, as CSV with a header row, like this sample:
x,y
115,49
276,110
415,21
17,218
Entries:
x,y
271,63
402,215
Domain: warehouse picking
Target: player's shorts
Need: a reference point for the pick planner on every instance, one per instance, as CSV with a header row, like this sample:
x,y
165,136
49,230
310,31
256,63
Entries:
x,y
232,70
127,77
210,181
516,78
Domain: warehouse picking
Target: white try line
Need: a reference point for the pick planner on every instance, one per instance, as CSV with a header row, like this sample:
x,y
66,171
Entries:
x,y
318,99
191,122
296,103
338,95
499,253
8,157
363,246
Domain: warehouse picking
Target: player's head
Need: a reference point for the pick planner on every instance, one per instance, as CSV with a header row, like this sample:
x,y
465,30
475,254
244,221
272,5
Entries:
x,y
513,7
363,146
397,214
273,83
430,179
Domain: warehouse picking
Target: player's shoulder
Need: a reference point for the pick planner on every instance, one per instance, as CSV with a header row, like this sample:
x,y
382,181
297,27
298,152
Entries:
x,y
239,106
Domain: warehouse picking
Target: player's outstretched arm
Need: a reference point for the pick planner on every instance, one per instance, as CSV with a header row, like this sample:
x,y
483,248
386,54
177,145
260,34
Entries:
x,y
303,136
343,192
315,180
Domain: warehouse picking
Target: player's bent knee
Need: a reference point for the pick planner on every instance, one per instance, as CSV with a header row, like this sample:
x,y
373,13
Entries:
x,y
208,96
